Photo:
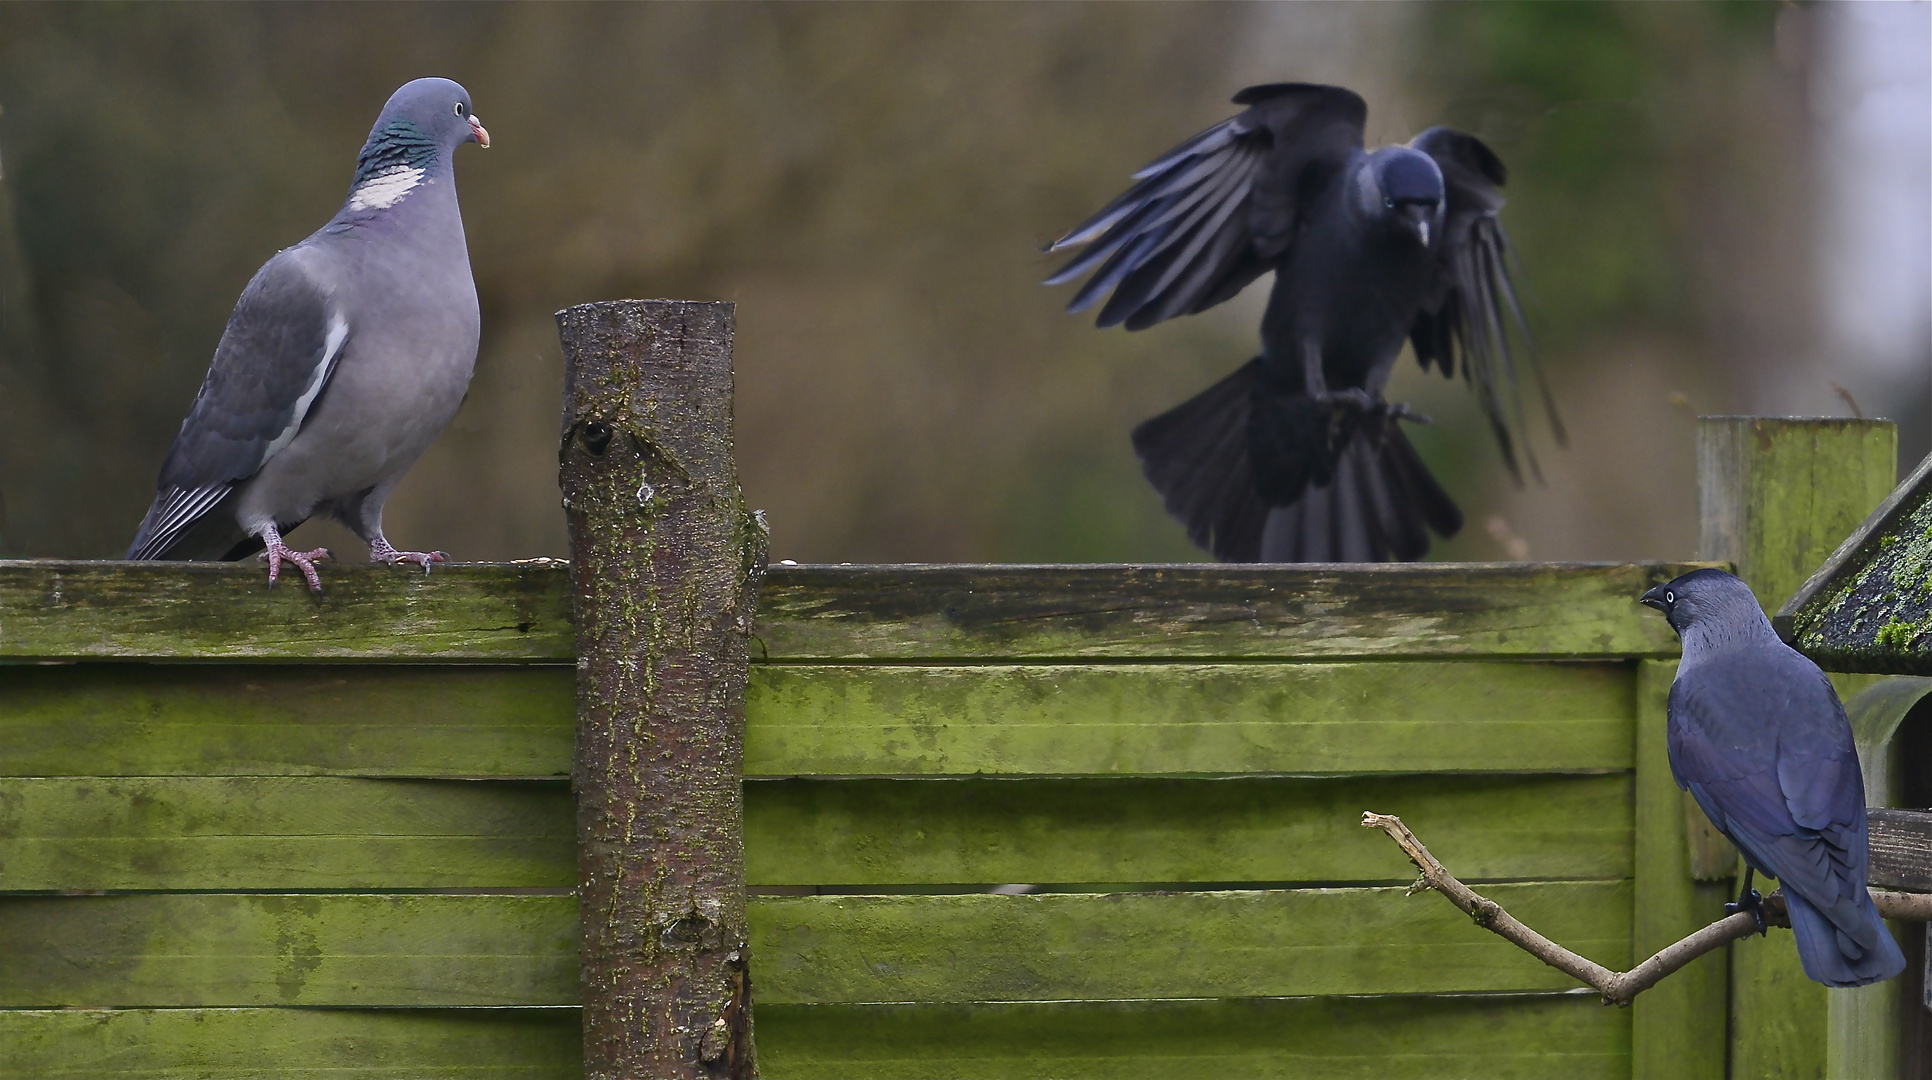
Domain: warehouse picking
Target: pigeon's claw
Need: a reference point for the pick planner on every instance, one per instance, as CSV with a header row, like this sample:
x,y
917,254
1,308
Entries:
x,y
278,553
383,552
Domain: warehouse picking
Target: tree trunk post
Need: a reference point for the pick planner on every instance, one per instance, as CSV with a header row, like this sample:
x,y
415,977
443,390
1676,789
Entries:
x,y
666,564
1775,497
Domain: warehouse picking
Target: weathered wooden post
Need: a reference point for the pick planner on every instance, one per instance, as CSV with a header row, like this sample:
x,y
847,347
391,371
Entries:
x,y
1775,497
666,563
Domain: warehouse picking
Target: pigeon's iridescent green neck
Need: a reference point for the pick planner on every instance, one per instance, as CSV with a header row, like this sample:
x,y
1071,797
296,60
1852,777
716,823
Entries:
x,y
399,144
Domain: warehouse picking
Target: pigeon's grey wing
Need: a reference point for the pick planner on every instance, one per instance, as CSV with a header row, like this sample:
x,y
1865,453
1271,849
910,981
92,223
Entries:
x,y
1215,212
273,362
1473,312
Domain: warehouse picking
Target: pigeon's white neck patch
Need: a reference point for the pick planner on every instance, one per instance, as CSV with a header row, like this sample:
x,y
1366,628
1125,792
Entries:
x,y
384,190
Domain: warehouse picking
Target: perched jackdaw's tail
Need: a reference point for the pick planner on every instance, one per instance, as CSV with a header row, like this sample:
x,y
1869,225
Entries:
x,y
1860,952
1362,495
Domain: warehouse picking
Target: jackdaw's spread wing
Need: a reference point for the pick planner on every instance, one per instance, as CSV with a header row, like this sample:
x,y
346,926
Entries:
x,y
1217,211
272,365
1474,308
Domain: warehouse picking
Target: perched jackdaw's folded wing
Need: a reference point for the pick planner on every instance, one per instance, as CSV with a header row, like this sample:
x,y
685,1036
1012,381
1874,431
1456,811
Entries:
x,y
1473,308
272,365
1215,212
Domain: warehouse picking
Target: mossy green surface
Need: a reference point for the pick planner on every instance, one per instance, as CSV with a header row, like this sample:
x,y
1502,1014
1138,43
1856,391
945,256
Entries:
x,y
1878,616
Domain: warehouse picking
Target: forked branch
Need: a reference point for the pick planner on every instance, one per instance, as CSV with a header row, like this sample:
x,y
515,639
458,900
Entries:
x,y
1617,987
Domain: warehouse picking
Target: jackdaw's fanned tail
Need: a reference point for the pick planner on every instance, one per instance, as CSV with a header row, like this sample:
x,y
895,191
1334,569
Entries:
x,y
1370,499
1215,212
1474,312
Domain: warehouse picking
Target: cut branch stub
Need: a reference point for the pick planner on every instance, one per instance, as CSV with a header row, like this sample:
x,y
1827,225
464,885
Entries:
x,y
665,564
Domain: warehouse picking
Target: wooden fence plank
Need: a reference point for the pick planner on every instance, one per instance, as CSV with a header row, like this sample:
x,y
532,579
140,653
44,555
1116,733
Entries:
x,y
302,833
325,1044
1064,946
840,720
271,719
284,833
835,720
216,949
55,610
52,610
1672,1022
229,949
1405,1038
913,832
1209,610
1266,1039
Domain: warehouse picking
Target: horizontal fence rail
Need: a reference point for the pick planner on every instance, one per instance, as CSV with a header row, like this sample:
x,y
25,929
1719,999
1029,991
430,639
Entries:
x,y
51,610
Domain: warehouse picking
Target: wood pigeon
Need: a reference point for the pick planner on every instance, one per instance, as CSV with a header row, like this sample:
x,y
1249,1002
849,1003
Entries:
x,y
346,356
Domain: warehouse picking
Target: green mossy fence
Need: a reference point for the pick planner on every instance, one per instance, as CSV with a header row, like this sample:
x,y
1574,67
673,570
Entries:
x,y
246,833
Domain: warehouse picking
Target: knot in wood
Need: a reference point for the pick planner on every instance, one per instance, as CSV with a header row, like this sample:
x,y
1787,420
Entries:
x,y
1484,913
717,1039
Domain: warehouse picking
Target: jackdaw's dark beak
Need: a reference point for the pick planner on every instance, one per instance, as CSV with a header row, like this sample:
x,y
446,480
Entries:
x,y
476,129
1419,219
1655,598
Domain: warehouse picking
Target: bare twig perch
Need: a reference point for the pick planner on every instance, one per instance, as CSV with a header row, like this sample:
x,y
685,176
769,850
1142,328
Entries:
x,y
1617,987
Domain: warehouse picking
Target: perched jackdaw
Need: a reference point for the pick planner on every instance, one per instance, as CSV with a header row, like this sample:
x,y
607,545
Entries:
x,y
1758,737
1296,457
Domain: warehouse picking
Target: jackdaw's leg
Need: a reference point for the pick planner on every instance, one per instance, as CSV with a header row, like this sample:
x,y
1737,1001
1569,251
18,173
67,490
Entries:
x,y
1749,900
1315,382
278,553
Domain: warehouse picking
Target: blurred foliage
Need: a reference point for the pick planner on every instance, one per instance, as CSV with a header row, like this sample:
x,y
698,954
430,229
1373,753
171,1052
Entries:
x,y
872,183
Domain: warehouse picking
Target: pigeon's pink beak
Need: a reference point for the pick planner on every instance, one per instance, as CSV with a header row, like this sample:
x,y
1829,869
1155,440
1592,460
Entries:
x,y
476,129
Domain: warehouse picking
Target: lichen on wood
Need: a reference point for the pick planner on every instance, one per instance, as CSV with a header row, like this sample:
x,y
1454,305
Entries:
x,y
665,561
1869,607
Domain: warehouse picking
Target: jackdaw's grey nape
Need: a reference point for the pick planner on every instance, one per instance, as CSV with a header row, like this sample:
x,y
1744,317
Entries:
x,y
1296,457
1758,737
346,356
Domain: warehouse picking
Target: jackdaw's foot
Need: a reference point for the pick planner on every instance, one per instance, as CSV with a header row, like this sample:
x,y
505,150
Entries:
x,y
381,551
279,553
1354,398
1749,900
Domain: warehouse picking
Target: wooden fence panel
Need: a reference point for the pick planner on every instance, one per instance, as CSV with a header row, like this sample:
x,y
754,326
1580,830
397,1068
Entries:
x,y
386,834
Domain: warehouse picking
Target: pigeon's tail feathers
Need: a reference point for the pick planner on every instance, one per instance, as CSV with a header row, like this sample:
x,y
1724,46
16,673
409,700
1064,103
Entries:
x,y
1850,951
1196,456
1375,500
1380,504
174,513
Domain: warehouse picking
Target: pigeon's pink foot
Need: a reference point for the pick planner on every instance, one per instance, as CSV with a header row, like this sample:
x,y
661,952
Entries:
x,y
382,552
279,553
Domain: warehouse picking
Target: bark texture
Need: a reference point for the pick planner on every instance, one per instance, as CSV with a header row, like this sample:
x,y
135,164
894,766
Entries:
x,y
666,563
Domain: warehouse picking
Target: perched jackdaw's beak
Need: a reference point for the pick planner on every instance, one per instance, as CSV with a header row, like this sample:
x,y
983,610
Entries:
x,y
1419,218
476,129
1655,598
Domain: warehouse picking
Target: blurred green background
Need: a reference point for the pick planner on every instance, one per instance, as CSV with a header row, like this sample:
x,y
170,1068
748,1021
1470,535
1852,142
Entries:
x,y
872,183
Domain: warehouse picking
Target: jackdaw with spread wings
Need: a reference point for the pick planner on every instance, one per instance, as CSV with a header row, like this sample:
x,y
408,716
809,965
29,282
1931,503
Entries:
x,y
1296,456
